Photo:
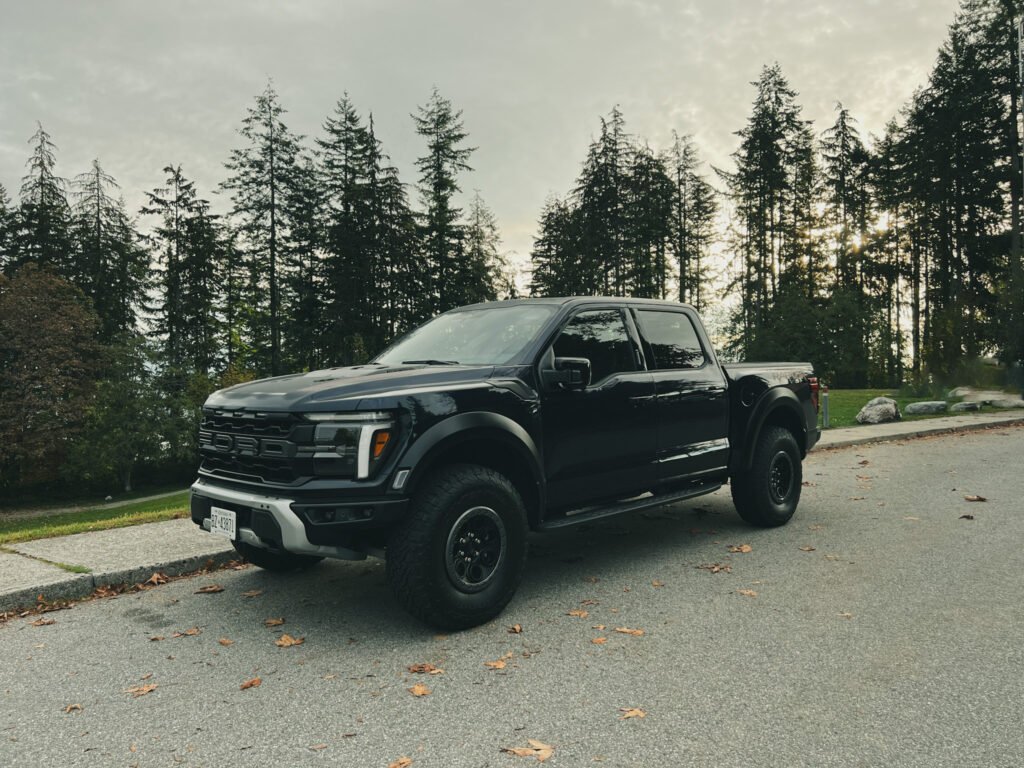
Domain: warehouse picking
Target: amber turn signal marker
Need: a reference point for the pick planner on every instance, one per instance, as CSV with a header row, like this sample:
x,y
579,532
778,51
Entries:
x,y
380,442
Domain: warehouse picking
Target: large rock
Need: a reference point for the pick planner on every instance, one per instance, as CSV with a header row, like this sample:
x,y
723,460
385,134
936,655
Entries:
x,y
879,411
985,397
959,392
1007,403
962,407
930,406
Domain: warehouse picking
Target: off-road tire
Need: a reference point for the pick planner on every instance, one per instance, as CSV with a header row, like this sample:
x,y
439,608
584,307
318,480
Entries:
x,y
274,561
463,503
767,494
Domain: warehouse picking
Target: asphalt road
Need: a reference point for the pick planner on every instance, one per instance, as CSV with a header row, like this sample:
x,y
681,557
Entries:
x,y
895,641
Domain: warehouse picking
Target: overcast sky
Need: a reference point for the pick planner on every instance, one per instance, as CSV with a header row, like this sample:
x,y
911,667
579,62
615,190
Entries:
x,y
142,85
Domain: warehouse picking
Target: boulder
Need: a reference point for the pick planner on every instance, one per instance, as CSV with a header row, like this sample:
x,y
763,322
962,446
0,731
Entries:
x,y
962,407
878,411
985,397
1007,403
930,406
953,394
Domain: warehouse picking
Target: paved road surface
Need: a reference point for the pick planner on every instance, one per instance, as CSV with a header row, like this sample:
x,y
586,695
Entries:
x,y
895,641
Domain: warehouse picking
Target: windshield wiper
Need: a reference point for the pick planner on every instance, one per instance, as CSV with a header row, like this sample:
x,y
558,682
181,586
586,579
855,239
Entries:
x,y
430,362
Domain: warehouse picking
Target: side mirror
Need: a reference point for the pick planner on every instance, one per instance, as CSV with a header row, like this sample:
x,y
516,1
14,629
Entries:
x,y
569,373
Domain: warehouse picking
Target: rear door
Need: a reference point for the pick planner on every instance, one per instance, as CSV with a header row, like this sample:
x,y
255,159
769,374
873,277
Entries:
x,y
692,395
599,442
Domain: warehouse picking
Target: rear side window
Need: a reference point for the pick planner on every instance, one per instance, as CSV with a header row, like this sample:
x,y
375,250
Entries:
x,y
601,337
673,340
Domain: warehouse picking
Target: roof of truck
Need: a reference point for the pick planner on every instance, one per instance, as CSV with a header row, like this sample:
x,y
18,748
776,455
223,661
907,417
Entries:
x,y
575,301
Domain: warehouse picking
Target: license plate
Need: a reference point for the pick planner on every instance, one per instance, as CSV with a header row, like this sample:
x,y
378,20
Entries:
x,y
222,522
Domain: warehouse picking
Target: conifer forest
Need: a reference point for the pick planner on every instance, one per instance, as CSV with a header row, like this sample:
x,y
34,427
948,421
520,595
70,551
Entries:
x,y
887,257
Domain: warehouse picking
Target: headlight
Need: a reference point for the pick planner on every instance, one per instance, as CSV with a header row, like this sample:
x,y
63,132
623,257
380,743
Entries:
x,y
350,443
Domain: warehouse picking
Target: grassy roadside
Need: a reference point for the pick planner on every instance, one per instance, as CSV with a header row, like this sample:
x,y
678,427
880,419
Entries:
x,y
845,404
45,526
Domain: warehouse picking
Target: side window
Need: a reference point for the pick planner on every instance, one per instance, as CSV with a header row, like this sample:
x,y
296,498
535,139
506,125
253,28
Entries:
x,y
673,340
601,337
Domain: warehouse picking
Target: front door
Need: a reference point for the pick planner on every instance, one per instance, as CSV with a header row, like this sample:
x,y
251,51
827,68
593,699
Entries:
x,y
599,442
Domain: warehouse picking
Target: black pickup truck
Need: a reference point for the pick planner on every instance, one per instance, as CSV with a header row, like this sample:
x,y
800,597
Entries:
x,y
490,421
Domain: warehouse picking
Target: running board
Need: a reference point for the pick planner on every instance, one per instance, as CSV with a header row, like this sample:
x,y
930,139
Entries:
x,y
590,514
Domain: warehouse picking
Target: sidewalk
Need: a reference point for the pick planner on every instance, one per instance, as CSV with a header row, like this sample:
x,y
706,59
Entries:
x,y
72,567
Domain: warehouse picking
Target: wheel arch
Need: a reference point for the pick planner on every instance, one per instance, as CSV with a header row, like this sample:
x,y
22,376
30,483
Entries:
x,y
778,407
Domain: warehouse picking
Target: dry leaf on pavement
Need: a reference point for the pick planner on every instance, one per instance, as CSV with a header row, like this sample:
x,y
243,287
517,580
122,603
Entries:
x,y
500,663
42,622
746,592
140,690
599,640
402,762
657,583
628,631
226,641
425,669
157,578
742,548
209,589
72,708
515,629
975,498
630,712
253,593
287,641
845,615
966,517
578,613
419,690
806,549
190,632
154,638
254,683
537,749
317,747
273,622
715,568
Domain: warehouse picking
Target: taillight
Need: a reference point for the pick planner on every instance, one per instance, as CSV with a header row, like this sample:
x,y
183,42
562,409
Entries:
x,y
813,380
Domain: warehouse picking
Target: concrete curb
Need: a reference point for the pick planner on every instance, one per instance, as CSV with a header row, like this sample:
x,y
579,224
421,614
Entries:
x,y
81,585
919,429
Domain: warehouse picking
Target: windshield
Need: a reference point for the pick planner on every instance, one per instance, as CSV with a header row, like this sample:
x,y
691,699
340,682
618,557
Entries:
x,y
493,336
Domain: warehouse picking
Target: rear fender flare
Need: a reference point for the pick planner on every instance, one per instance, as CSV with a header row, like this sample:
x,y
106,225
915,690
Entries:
x,y
771,402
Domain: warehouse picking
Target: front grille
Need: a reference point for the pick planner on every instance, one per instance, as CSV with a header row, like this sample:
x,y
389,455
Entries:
x,y
256,446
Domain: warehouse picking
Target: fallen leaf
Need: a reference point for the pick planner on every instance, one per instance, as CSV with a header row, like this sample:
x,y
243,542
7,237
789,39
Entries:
x,y
42,622
746,592
715,568
146,676
317,747
966,517
419,690
856,498
628,712
499,664
598,626
226,642
845,615
599,640
628,631
657,583
578,613
330,677
287,641
864,462
253,593
140,690
975,498
154,638
402,762
190,632
254,683
72,708
273,622
209,589
743,548
425,669
588,601
915,519
157,578
807,549
537,749
515,629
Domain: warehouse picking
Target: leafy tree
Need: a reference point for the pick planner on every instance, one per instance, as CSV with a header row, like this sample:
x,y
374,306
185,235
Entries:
x,y
122,427
49,363
262,175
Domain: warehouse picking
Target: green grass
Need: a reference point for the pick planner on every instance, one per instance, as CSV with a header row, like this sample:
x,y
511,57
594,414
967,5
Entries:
x,y
62,498
845,404
45,526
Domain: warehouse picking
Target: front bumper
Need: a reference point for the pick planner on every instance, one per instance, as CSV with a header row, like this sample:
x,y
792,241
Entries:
x,y
271,522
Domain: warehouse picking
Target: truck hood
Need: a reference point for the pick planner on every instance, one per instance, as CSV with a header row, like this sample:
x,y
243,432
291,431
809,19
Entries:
x,y
343,387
